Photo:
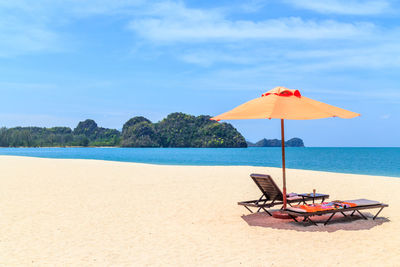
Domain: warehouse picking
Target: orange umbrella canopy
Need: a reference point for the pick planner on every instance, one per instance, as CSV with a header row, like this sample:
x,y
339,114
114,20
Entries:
x,y
284,103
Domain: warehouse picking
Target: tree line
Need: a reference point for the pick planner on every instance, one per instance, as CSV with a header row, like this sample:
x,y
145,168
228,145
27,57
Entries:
x,y
176,130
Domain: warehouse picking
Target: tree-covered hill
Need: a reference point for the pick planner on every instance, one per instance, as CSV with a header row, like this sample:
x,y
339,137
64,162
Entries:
x,y
183,130
180,130
97,136
176,130
139,132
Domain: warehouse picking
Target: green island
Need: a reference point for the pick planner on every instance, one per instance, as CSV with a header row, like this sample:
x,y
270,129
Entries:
x,y
176,130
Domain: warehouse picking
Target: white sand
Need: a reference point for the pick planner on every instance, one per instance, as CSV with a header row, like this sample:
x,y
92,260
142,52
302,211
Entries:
x,y
95,213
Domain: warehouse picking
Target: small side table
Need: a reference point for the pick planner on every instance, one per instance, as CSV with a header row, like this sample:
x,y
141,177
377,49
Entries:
x,y
308,196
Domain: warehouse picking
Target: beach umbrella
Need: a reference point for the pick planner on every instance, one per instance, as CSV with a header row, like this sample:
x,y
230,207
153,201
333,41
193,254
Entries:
x,y
283,103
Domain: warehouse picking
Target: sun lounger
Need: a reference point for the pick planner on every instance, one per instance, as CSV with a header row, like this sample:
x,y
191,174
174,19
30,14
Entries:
x,y
272,195
333,208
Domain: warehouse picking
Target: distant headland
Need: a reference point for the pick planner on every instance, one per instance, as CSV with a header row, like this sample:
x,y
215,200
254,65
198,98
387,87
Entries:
x,y
294,142
176,130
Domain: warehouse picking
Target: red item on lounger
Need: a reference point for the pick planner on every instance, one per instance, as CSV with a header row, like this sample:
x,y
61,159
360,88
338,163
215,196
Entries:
x,y
325,206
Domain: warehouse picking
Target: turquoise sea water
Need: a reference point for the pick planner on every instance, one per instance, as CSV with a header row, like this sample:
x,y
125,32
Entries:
x,y
373,161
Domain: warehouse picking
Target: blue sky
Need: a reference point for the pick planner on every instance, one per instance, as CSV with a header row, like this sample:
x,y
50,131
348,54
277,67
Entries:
x,y
65,61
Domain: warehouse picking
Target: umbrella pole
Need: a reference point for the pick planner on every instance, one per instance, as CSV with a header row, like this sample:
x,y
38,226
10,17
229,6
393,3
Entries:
x,y
283,163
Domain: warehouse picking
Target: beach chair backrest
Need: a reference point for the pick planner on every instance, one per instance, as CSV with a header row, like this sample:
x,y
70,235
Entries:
x,y
267,185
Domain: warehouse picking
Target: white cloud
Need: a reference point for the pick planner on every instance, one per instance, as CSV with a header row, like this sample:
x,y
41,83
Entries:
x,y
313,57
344,7
28,27
374,55
24,35
174,22
286,43
208,57
210,36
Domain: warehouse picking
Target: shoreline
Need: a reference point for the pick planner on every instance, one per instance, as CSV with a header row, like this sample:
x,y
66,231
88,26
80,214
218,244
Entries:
x,y
189,165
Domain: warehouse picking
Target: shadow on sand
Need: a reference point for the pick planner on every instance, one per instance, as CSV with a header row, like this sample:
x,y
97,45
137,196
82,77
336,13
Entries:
x,y
338,222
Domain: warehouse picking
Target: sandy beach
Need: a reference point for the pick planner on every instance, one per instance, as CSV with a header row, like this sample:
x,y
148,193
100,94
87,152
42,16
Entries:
x,y
57,212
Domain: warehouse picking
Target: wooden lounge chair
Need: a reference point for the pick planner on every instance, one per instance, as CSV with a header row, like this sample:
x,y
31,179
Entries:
x,y
272,195
361,204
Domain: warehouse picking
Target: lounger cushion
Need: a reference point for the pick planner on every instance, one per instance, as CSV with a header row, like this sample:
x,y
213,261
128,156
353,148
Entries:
x,y
294,198
357,202
363,202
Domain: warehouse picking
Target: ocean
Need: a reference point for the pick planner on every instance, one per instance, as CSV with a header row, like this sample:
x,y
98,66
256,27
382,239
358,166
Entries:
x,y
371,161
